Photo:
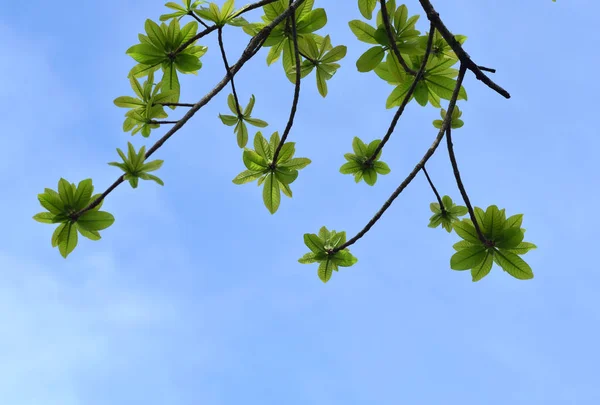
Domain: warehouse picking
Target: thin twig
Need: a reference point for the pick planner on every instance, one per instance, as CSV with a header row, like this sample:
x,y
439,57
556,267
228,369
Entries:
x,y
464,57
419,166
390,34
227,69
163,122
461,186
406,99
288,127
205,25
175,104
251,49
215,26
437,195
487,69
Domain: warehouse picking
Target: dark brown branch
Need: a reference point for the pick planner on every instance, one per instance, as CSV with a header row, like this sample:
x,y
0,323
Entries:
x,y
461,186
437,195
390,34
487,69
228,70
205,25
407,97
251,49
163,122
214,26
290,122
464,57
175,104
419,166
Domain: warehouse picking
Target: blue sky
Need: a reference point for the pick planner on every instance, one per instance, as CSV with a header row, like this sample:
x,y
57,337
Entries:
x,y
194,295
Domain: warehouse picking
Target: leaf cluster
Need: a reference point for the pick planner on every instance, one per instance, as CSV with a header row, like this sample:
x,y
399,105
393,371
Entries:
x,y
503,244
146,107
135,167
322,251
61,208
276,176
157,49
240,118
456,122
188,8
446,216
316,51
362,164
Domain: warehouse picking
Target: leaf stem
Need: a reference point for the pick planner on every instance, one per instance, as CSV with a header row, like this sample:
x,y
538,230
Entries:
x,y
461,186
437,195
228,70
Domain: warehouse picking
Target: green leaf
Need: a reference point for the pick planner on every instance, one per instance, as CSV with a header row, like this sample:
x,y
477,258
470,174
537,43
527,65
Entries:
x,y
370,59
482,269
514,221
51,202
247,176
381,167
511,238
370,176
467,231
344,258
256,122
83,193
522,248
45,217
187,63
463,244
128,102
67,239
95,220
359,147
262,146
308,258
155,34
241,130
513,265
363,31
146,54
366,8
271,193
93,235
296,163
325,270
314,243
468,258
493,222
253,161
147,176
229,120
287,151
350,167
65,192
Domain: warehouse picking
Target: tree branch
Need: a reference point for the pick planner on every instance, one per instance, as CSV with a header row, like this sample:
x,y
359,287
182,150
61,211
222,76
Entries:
x,y
251,49
419,166
227,69
409,94
437,195
390,34
290,122
464,57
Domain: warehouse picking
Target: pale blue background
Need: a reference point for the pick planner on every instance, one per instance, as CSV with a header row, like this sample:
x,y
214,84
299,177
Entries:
x,y
195,296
